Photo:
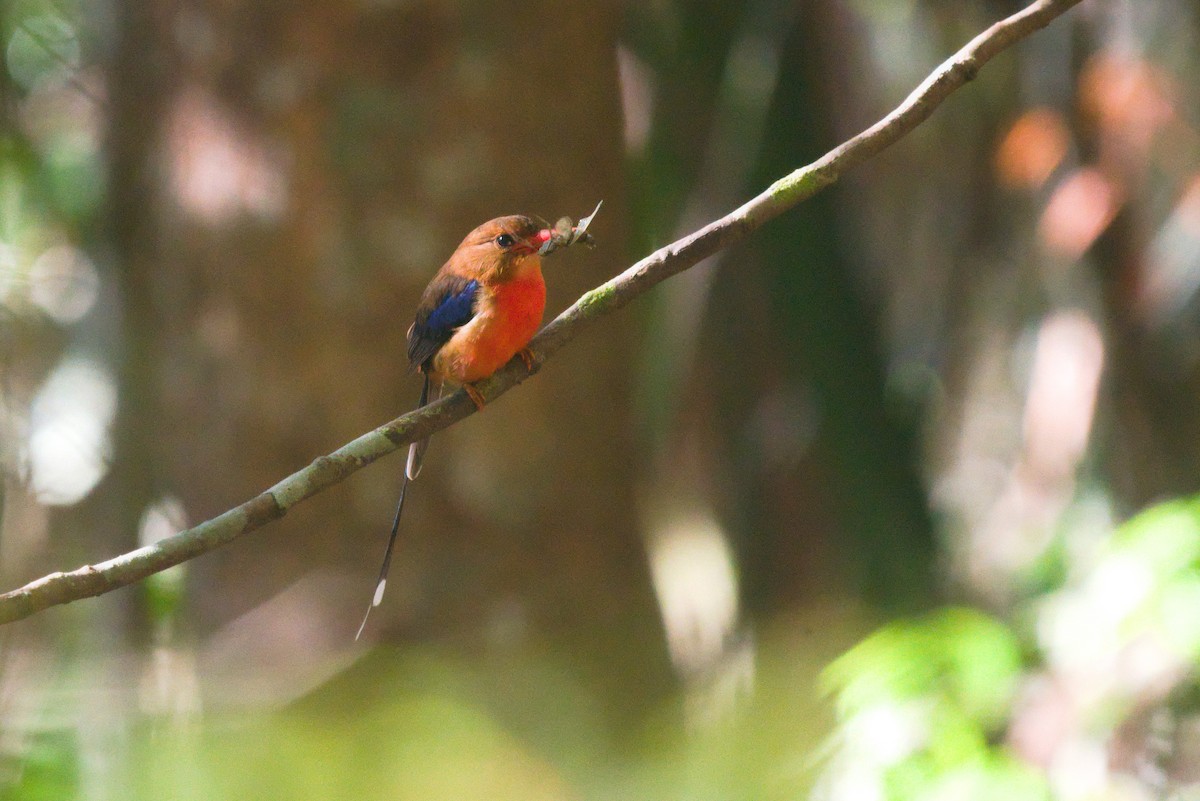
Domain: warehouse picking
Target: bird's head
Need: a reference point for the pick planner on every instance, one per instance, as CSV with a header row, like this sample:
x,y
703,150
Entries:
x,y
506,247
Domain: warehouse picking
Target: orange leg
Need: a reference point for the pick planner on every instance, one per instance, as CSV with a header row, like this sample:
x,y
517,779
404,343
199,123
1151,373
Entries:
x,y
526,356
475,395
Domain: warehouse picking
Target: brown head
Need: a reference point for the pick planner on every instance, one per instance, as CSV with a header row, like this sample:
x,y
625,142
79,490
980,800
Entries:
x,y
502,249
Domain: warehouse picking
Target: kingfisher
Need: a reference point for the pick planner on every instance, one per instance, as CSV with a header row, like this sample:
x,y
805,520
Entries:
x,y
479,312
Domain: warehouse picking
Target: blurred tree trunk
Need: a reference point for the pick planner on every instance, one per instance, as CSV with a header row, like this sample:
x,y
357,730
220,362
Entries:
x,y
289,175
828,488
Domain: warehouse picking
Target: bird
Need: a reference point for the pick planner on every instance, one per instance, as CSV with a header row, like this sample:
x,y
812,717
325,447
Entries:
x,y
478,312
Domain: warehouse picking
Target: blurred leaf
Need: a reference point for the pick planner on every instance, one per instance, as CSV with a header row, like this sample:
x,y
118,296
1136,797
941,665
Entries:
x,y
164,593
1166,538
918,701
982,662
48,770
43,47
962,654
76,181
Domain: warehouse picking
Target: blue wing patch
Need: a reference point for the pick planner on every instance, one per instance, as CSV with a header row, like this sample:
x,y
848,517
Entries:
x,y
455,310
448,304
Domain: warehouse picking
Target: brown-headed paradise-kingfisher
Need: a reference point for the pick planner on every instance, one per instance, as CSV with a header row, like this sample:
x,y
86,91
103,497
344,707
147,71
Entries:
x,y
479,311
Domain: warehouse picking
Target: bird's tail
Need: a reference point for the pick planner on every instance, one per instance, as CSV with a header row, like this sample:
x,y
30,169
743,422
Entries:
x,y
416,453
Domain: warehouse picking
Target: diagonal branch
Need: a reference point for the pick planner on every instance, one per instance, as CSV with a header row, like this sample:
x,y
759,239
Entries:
x,y
962,67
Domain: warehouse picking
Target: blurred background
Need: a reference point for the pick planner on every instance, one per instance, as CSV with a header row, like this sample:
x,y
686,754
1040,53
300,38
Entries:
x,y
894,500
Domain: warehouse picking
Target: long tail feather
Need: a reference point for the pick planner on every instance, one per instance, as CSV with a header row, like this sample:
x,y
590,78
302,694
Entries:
x,y
414,453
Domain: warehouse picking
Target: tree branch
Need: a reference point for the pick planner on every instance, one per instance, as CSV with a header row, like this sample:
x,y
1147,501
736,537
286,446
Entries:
x,y
962,67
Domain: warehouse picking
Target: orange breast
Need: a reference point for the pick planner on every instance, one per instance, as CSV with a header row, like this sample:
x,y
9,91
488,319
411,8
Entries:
x,y
508,316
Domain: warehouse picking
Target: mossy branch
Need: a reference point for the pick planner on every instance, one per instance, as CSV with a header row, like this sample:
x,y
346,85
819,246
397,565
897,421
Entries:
x,y
784,194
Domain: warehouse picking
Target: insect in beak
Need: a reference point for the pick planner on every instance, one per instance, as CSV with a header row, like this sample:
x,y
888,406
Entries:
x,y
565,233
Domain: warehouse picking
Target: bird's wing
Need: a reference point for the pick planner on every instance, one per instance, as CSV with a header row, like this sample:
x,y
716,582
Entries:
x,y
447,305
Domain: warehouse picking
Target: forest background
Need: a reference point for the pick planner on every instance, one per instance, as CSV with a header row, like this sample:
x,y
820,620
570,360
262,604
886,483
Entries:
x,y
891,500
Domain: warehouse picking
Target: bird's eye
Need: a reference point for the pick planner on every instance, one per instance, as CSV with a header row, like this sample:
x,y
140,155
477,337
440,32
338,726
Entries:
x,y
505,240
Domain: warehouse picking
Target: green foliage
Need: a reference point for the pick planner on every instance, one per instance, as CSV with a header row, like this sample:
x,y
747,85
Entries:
x,y
164,594
967,659
48,769
41,48
919,704
51,175
926,707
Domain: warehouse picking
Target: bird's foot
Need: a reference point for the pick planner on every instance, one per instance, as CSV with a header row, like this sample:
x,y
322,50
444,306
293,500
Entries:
x,y
526,356
475,395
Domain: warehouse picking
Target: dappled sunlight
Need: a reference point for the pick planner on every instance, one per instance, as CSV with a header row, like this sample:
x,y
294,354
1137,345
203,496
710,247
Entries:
x,y
60,281
1033,148
69,431
1131,100
1079,211
1014,523
636,96
1173,262
63,283
696,583
219,168
1061,400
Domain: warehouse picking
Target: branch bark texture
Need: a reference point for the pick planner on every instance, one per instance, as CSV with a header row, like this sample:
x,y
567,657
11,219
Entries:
x,y
787,192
